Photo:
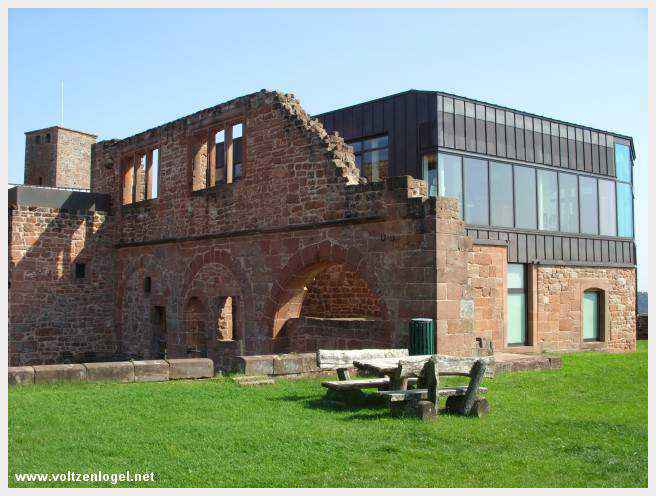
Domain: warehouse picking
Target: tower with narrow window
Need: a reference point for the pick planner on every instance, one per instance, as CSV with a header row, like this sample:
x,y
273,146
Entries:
x,y
58,157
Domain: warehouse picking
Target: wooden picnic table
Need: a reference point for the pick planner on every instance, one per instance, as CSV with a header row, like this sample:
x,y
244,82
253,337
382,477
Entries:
x,y
447,366
462,399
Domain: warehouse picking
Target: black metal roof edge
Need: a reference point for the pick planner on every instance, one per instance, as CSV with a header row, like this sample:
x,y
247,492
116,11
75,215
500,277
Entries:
x,y
500,107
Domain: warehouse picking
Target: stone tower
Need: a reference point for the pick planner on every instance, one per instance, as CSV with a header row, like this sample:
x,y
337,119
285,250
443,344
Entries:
x,y
58,157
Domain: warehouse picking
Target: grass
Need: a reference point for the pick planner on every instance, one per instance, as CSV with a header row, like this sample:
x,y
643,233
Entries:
x,y
585,425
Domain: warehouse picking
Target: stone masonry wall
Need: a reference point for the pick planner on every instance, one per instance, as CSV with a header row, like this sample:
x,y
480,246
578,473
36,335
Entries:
x,y
73,159
53,316
299,208
487,271
559,292
58,157
337,292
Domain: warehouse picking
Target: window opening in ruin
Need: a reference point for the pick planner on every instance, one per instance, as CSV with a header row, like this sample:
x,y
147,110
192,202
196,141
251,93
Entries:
x,y
128,180
159,332
226,320
147,284
80,270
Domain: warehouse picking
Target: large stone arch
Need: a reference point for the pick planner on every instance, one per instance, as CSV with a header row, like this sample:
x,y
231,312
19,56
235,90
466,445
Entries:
x,y
288,292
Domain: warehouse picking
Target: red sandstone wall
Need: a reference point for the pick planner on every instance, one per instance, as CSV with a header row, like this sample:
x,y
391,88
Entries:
x,y
337,292
73,159
50,311
559,318
487,267
299,207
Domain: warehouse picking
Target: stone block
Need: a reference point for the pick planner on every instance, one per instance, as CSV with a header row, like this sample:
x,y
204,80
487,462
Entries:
x,y
151,370
68,372
110,371
190,368
21,375
295,363
254,364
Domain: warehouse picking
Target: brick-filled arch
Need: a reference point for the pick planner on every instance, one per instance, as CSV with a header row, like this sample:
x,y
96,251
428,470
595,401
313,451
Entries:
x,y
289,291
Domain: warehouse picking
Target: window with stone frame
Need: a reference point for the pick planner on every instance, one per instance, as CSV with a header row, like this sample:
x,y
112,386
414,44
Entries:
x,y
217,155
140,175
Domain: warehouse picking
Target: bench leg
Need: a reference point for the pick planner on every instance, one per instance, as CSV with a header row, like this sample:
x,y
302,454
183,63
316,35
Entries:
x,y
455,404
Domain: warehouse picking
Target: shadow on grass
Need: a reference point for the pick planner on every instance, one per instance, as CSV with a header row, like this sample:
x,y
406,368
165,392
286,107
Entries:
x,y
331,403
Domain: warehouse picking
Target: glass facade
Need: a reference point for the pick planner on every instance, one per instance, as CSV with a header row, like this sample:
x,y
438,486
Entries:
x,y
624,190
588,205
501,195
505,195
476,199
429,172
525,198
547,200
608,221
449,176
622,162
516,332
568,189
624,210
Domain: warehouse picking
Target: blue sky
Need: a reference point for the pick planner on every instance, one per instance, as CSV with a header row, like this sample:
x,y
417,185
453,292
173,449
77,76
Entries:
x,y
129,70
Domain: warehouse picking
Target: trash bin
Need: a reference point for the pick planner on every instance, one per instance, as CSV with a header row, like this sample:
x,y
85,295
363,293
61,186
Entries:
x,y
422,337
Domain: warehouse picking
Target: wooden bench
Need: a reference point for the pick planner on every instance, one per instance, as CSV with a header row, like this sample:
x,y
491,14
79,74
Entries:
x,y
342,361
463,400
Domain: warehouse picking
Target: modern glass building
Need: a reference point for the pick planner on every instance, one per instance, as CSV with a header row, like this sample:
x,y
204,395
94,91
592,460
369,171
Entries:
x,y
556,193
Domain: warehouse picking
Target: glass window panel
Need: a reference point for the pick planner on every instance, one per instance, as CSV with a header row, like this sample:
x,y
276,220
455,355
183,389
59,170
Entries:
x,y
607,217
591,315
516,332
589,207
622,162
449,177
459,107
357,146
501,195
516,276
569,202
525,217
547,200
374,164
379,142
429,171
448,105
624,210
476,194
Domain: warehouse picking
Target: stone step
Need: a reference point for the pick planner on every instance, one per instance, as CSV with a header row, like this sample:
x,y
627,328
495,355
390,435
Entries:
x,y
253,380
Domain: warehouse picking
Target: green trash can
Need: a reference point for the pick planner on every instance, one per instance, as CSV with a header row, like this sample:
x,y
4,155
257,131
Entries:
x,y
422,337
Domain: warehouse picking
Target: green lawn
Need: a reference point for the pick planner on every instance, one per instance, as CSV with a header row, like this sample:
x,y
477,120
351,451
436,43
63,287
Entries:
x,y
585,425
